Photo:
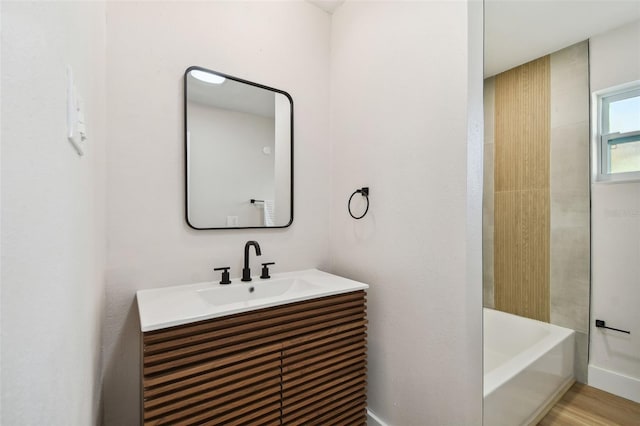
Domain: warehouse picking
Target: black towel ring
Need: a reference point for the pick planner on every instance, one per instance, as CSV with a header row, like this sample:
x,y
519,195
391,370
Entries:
x,y
365,193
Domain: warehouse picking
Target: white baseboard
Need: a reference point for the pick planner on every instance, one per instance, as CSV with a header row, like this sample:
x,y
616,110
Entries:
x,y
373,420
615,383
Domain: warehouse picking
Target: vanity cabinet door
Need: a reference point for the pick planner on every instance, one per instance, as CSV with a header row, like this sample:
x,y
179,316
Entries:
x,y
301,363
218,386
324,372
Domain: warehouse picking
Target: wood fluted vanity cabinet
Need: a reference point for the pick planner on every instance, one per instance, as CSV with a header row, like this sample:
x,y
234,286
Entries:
x,y
303,363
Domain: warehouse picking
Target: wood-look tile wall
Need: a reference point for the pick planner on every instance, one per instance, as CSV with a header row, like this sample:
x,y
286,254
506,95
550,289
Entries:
x,y
521,179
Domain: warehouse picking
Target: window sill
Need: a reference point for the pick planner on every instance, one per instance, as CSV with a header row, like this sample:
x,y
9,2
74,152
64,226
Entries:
x,y
629,177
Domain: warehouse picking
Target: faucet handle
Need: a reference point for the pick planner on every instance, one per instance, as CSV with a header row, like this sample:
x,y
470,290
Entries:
x,y
225,274
265,270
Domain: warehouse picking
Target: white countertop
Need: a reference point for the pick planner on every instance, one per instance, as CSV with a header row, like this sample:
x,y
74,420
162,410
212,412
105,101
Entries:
x,y
171,306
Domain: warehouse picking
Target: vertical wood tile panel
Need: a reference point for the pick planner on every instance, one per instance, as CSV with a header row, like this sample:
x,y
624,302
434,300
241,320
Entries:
x,y
521,228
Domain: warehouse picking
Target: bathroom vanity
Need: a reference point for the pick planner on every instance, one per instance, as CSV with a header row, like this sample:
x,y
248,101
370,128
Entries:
x,y
290,350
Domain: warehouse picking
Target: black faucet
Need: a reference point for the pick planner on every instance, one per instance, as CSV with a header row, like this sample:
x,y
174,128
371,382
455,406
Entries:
x,y
246,272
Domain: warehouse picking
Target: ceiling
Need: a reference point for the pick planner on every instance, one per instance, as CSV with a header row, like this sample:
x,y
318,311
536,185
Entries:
x,y
518,31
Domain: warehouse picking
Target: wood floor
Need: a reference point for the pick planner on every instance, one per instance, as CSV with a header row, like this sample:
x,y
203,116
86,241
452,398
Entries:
x,y
584,405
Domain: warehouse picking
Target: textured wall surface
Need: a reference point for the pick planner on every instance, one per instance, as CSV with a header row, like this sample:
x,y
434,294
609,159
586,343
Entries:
x,y
615,60
150,44
53,220
399,111
428,286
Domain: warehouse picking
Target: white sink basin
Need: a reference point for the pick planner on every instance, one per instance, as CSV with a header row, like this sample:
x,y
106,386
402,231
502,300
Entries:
x,y
255,291
171,306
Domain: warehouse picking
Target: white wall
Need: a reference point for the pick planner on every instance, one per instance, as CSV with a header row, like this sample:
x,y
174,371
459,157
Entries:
x,y
614,57
53,222
402,75
52,263
280,44
282,157
614,360
221,185
0,219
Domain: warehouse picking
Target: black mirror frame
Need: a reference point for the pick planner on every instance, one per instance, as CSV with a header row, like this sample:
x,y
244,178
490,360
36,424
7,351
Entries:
x,y
186,159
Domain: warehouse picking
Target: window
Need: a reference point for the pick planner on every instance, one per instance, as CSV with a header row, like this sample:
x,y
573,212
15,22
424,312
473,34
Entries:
x,y
619,157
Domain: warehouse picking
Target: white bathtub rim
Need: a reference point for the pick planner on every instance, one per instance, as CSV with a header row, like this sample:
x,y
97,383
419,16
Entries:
x,y
498,376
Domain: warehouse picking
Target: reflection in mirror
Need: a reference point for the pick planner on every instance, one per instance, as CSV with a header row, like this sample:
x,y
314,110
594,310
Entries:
x,y
239,153
547,264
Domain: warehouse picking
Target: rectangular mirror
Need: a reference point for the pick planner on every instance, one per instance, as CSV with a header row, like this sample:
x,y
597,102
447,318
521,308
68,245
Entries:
x,y
239,152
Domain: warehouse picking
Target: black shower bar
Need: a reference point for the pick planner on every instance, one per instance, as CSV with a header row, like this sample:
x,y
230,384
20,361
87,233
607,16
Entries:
x,y
601,324
253,201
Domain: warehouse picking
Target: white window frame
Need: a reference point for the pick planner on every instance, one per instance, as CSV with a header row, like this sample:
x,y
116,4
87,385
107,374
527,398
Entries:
x,y
602,137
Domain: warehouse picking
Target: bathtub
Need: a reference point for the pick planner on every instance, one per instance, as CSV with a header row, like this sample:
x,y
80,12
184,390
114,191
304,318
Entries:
x,y
528,364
